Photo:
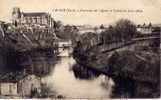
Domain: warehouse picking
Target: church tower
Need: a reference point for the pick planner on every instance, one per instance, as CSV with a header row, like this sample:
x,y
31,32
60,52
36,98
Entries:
x,y
16,16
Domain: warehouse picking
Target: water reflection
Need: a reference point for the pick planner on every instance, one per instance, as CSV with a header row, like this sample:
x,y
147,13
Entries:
x,y
63,82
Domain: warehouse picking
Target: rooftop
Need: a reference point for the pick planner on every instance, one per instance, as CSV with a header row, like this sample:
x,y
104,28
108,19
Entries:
x,y
12,77
35,14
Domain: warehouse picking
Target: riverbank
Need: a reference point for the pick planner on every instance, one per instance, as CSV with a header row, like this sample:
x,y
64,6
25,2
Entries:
x,y
23,72
136,73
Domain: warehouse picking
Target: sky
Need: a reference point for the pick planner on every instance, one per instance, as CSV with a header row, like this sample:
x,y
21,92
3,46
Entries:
x,y
149,10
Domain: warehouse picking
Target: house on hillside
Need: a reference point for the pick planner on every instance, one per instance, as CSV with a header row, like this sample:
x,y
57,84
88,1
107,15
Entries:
x,y
19,85
8,88
8,85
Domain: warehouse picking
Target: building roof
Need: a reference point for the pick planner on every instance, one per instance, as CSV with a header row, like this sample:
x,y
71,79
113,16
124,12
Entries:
x,y
35,14
12,77
2,22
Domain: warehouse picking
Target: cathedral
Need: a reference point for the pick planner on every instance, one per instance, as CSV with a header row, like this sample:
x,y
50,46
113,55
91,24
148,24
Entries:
x,y
36,18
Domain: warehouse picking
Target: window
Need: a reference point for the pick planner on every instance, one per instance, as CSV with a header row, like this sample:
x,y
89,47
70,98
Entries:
x,y
26,20
10,88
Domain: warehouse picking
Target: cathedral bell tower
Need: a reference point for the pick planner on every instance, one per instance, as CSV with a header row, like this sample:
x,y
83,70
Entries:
x,y
16,16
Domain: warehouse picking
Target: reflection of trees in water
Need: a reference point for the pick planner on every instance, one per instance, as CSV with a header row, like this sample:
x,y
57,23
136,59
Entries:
x,y
42,65
82,72
37,62
13,59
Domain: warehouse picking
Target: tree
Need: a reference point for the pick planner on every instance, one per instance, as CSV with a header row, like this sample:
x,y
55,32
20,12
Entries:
x,y
150,25
66,32
126,29
102,26
123,29
57,24
95,29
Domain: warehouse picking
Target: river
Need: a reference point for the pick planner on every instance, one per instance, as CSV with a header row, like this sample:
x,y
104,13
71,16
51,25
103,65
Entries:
x,y
63,81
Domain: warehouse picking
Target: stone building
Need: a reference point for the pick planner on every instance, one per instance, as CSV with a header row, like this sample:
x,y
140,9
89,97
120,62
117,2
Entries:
x,y
8,85
145,29
28,84
31,18
19,85
8,88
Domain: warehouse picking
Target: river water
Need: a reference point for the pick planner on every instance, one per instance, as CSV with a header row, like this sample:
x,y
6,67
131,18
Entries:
x,y
63,81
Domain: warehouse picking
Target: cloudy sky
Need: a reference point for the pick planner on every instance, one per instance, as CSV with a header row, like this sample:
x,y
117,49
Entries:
x,y
151,10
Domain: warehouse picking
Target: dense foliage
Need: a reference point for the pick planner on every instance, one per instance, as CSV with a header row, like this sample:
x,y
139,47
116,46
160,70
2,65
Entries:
x,y
67,32
122,30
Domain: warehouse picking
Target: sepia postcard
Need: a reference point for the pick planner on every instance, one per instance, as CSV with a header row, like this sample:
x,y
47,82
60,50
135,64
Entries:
x,y
80,49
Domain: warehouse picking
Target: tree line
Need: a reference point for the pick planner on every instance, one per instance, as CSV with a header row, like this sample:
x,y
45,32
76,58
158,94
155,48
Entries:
x,y
122,30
